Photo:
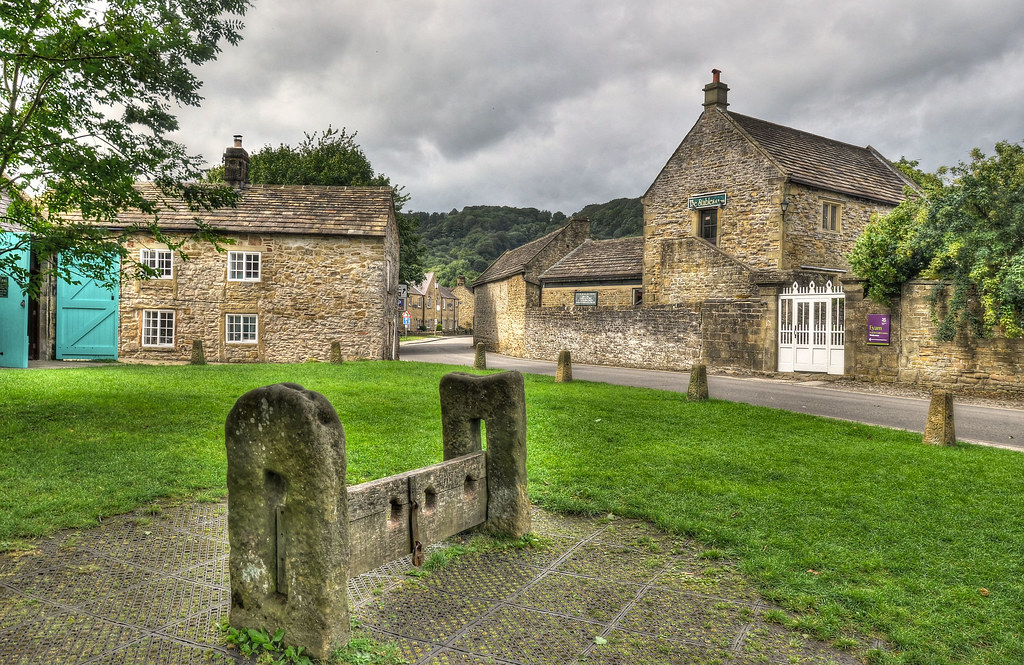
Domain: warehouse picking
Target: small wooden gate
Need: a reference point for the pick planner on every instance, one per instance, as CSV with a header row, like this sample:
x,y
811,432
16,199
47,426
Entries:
x,y
13,308
812,328
87,318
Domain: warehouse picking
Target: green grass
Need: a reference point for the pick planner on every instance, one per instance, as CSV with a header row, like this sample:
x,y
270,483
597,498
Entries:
x,y
901,537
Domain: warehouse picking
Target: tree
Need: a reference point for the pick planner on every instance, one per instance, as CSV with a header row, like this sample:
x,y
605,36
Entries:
x,y
447,274
967,229
333,157
86,91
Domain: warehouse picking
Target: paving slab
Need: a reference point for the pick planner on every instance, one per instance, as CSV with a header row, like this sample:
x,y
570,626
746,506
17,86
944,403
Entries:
x,y
152,587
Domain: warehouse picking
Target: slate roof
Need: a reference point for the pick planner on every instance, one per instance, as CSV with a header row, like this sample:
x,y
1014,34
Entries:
x,y
293,209
825,163
621,258
446,292
513,261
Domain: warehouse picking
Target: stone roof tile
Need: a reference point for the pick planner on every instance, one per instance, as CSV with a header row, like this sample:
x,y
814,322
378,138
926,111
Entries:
x,y
292,209
620,258
825,163
513,261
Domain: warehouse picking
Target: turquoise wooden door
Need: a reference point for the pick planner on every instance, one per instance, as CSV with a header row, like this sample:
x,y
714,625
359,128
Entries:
x,y
87,319
13,312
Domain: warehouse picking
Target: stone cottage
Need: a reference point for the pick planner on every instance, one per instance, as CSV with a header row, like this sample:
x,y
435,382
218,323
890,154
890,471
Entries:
x,y
308,266
464,294
741,261
511,284
432,305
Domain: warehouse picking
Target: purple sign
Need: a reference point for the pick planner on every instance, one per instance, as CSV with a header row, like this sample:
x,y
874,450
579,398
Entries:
x,y
878,329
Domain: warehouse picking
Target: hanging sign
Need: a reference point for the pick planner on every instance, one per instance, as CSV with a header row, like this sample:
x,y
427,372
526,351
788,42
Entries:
x,y
878,329
709,200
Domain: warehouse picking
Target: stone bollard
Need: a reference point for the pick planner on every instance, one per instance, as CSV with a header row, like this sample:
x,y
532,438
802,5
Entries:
x,y
288,517
564,372
698,390
198,357
335,356
939,428
480,361
500,401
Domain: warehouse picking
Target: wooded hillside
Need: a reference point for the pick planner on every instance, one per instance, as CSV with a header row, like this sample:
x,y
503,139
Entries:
x,y
466,242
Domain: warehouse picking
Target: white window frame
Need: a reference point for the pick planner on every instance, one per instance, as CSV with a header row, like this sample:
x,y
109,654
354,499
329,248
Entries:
x,y
241,330
160,260
240,266
155,323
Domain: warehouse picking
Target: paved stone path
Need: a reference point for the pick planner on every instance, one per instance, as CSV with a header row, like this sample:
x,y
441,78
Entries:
x,y
151,587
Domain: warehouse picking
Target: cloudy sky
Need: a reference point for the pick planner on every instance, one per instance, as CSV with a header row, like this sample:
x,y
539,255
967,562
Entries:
x,y
555,104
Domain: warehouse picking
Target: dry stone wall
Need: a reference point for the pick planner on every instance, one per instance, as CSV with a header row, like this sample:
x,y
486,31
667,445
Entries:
x,y
312,290
914,356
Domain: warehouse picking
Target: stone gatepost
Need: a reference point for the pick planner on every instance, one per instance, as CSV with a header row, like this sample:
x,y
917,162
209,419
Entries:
x,y
564,372
288,517
480,361
499,400
198,357
335,356
939,429
698,390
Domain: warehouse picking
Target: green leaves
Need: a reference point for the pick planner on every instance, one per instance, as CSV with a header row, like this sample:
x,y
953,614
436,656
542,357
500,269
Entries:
x,y
968,232
85,97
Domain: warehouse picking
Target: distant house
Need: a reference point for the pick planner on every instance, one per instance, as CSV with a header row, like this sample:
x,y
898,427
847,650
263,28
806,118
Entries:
x,y
512,283
597,273
307,266
431,305
466,299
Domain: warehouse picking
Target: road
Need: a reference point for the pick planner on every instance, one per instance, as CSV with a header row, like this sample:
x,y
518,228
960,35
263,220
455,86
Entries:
x,y
988,425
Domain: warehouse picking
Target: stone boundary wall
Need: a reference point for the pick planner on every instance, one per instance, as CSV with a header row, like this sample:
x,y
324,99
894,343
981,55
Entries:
x,y
671,337
914,356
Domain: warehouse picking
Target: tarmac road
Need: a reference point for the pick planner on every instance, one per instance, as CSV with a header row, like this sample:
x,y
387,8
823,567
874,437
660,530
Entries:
x,y
987,425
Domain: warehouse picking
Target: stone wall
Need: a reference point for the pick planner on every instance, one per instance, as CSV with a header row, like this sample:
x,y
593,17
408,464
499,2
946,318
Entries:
x,y
499,321
914,356
714,156
313,290
807,243
724,333
620,295
692,270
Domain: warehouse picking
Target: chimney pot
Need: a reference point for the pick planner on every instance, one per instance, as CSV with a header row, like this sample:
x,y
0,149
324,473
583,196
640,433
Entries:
x,y
236,164
716,93
238,140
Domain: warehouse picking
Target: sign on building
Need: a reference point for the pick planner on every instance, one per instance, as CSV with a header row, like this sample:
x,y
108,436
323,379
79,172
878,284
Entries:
x,y
708,200
878,329
585,298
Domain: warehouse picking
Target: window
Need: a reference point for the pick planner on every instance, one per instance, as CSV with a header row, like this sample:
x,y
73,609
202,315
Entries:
x,y
830,216
158,327
159,260
241,328
709,225
638,296
243,266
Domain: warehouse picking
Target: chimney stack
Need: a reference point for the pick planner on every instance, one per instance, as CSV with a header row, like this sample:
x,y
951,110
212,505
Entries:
x,y
716,93
236,164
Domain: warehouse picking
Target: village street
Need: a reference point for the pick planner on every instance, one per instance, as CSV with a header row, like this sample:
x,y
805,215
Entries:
x,y
975,422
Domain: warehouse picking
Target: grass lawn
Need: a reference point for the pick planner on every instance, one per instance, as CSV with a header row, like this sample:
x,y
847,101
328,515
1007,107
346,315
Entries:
x,y
862,530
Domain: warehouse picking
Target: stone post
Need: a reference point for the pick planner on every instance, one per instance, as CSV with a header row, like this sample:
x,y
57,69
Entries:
x,y
698,390
288,517
335,356
198,357
564,372
500,401
939,428
480,361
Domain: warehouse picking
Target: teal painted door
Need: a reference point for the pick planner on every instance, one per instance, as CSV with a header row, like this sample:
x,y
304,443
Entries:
x,y
13,313
87,319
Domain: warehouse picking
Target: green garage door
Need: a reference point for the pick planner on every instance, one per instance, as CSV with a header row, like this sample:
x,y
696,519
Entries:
x,y
13,311
87,318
